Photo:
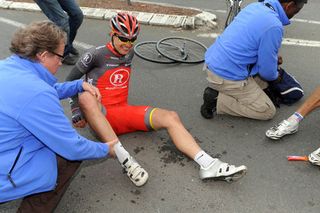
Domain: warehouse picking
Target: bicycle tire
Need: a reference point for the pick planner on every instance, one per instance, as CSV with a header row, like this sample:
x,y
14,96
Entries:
x,y
147,51
181,49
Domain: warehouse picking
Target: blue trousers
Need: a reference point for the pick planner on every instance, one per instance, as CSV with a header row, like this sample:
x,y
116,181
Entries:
x,y
64,13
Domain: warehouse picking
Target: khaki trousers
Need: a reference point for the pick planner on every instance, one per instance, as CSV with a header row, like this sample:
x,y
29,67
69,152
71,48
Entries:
x,y
48,201
244,98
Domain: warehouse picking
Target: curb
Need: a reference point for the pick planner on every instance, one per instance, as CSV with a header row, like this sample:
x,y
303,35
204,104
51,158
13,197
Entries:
x,y
203,19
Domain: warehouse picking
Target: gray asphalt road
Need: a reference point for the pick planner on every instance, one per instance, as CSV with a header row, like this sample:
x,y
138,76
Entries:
x,y
272,184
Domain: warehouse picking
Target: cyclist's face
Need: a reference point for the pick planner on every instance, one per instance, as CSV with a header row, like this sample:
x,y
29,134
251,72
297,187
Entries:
x,y
122,45
291,8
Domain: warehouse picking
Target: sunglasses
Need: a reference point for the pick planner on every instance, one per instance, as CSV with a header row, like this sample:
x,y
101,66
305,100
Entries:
x,y
127,40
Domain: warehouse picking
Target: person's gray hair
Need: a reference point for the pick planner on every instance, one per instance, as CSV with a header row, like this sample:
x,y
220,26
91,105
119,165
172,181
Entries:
x,y
35,38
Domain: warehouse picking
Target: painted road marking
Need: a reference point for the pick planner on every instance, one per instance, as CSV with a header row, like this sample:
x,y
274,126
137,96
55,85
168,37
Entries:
x,y
18,24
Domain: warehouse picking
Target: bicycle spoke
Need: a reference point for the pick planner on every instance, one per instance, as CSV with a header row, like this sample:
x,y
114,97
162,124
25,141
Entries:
x,y
181,49
147,51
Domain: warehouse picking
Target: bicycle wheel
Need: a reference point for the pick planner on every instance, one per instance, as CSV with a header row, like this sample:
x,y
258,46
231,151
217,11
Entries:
x,y
180,49
147,51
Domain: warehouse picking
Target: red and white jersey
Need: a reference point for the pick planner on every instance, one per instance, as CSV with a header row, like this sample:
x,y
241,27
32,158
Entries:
x,y
109,72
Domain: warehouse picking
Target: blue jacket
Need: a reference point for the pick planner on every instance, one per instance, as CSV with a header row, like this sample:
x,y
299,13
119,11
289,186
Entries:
x,y
254,37
32,122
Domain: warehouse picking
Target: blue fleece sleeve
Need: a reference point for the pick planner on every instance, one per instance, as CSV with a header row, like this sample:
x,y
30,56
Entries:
x,y
44,117
69,88
267,63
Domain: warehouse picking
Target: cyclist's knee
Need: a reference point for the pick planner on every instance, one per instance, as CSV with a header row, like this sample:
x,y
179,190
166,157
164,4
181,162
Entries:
x,y
87,101
172,118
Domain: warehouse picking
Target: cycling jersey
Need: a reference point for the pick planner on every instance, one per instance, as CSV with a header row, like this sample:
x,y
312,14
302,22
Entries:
x,y
110,73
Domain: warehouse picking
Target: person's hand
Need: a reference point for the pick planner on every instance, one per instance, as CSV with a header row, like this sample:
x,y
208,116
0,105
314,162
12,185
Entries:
x,y
279,78
77,118
280,60
92,90
111,144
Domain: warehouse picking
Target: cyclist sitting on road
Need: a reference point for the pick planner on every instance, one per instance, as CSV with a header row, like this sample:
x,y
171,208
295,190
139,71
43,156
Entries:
x,y
108,67
244,57
290,125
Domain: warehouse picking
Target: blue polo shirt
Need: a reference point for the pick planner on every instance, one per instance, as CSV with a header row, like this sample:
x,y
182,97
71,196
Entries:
x,y
32,123
254,37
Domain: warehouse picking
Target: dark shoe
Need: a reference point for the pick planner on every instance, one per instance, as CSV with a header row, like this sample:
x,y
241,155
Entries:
x,y
70,59
210,103
74,51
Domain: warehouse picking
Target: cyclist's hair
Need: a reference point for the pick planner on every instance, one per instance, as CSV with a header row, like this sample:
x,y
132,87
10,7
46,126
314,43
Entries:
x,y
36,38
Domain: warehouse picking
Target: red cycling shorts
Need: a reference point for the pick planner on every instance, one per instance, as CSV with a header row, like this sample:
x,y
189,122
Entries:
x,y
127,118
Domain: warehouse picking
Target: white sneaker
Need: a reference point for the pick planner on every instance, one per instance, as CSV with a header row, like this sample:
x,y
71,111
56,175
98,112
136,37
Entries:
x,y
219,170
282,129
135,172
314,157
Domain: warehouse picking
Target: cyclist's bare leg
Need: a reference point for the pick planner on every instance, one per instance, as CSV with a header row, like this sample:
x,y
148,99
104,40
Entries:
x,y
209,167
312,102
96,119
100,125
180,136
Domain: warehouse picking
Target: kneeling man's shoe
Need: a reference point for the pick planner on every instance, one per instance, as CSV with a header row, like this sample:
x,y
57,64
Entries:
x,y
209,103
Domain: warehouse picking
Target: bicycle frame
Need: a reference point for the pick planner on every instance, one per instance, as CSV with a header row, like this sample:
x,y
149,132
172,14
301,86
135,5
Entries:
x,y
234,7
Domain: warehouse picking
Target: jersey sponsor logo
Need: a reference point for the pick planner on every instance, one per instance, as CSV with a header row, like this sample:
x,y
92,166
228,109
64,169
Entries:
x,y
114,58
119,77
86,59
112,65
116,88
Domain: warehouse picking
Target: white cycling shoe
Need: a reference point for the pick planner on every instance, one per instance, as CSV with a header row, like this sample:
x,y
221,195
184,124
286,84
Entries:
x,y
219,170
314,157
135,172
283,128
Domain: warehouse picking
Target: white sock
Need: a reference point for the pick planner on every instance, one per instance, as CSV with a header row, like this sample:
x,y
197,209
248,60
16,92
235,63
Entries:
x,y
295,118
203,159
121,153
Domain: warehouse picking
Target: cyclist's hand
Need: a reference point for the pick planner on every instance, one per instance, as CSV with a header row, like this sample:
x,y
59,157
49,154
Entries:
x,y
92,90
280,60
78,120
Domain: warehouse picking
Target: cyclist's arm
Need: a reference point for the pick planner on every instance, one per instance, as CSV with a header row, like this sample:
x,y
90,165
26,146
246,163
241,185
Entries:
x,y
83,66
267,63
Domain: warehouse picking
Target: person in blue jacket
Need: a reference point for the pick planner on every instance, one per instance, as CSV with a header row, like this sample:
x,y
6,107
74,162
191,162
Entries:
x,y
244,57
39,149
